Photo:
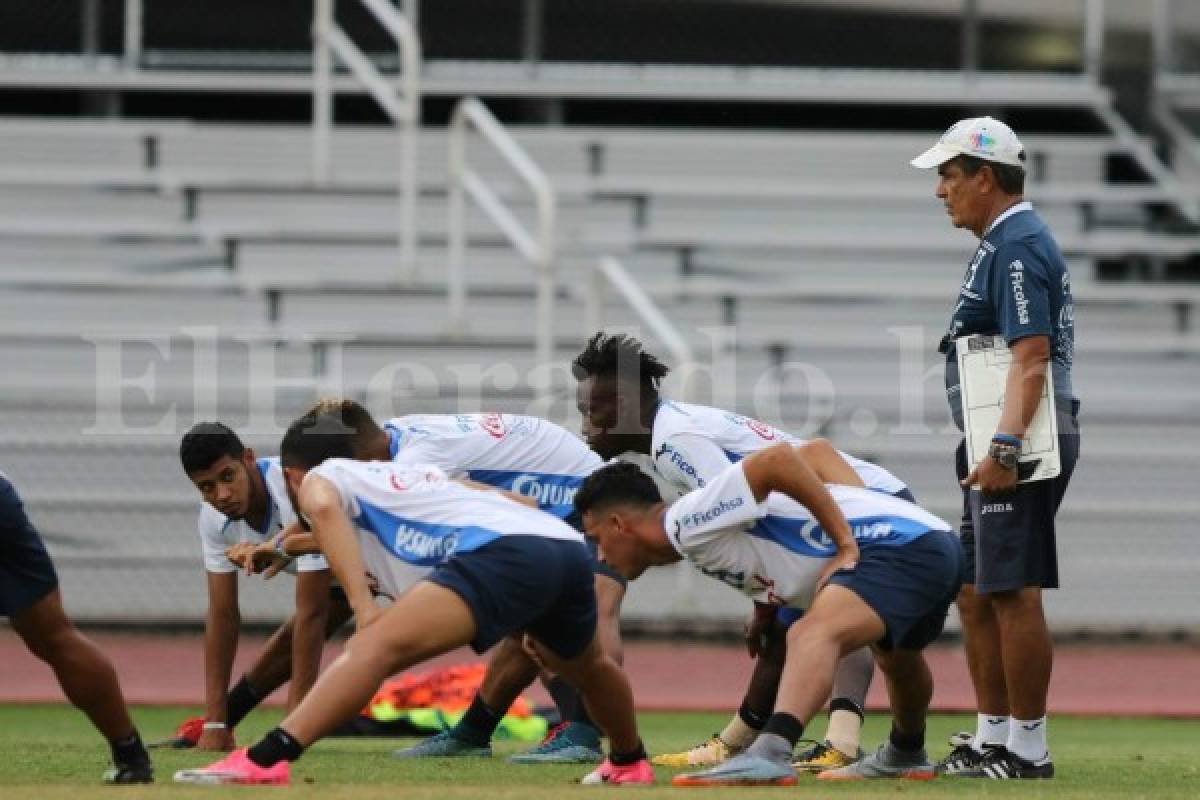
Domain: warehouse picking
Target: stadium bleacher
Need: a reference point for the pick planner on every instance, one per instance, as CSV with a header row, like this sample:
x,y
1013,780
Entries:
x,y
113,227
151,269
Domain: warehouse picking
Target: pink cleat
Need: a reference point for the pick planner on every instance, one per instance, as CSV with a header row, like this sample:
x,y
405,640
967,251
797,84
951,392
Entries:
x,y
608,774
237,768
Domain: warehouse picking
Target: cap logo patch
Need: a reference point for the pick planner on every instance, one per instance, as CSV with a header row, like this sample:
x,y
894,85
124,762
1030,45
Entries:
x,y
981,141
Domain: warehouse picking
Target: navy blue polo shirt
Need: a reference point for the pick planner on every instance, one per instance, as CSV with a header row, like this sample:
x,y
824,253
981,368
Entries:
x,y
1017,285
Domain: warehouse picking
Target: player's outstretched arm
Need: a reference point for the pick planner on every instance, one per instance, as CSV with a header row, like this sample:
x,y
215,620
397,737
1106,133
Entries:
x,y
785,469
321,505
221,625
301,544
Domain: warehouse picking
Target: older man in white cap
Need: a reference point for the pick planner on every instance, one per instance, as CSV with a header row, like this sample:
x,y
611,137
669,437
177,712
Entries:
x,y
1016,286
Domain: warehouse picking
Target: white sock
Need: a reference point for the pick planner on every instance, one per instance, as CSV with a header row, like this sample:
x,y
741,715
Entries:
x,y
843,731
737,734
990,729
1027,739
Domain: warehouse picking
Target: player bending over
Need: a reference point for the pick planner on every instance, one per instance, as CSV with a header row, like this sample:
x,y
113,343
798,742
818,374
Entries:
x,y
466,566
531,457
623,411
246,504
870,570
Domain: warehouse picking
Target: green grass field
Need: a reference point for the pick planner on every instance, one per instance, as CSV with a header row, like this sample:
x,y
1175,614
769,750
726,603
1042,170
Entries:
x,y
49,752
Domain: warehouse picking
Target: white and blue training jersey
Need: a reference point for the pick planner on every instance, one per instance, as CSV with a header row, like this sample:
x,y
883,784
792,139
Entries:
x,y
411,518
218,532
693,444
525,455
774,551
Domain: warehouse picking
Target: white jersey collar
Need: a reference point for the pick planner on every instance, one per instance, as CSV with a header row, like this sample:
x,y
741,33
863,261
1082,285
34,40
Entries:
x,y
1024,205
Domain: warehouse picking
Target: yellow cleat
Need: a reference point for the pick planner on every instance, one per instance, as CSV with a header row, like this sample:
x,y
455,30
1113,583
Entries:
x,y
822,756
711,753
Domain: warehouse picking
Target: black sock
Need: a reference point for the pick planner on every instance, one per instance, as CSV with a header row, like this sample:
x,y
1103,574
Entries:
x,y
242,699
278,745
581,715
129,750
908,742
625,759
565,698
478,724
753,719
846,704
783,724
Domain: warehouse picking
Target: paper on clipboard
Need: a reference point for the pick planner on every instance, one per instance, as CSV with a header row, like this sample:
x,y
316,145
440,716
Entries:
x,y
983,362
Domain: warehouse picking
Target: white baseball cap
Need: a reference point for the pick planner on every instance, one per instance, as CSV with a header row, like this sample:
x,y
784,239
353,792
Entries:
x,y
981,137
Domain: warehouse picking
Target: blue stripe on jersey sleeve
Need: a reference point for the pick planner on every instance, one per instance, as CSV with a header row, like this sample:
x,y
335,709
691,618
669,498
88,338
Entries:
x,y
805,537
554,493
425,544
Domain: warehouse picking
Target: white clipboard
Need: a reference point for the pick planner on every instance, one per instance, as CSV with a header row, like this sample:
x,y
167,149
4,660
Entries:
x,y
983,362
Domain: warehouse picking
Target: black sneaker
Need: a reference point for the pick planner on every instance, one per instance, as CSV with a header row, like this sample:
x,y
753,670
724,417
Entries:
x,y
961,759
1002,765
141,772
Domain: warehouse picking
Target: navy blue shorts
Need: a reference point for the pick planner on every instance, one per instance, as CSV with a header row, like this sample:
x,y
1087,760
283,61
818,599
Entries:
x,y
910,586
532,584
787,617
26,572
1010,539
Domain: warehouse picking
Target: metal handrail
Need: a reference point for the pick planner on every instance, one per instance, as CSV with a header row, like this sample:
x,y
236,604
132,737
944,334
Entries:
x,y
610,271
537,248
132,36
402,104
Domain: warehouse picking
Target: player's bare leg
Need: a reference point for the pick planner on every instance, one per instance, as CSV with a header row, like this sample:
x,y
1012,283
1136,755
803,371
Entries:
x,y
609,700
577,739
981,641
510,671
985,662
426,621
910,690
89,681
838,623
1028,658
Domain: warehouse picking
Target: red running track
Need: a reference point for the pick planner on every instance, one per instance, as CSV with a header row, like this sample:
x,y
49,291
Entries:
x,y
1088,679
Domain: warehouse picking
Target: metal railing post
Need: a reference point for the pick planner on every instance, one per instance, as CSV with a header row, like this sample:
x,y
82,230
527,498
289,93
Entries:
x,y
538,250
401,102
1093,38
410,59
132,48
547,283
1160,36
322,90
456,223
970,37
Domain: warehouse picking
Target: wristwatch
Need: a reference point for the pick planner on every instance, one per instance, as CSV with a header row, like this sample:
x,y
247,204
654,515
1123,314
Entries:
x,y
1004,454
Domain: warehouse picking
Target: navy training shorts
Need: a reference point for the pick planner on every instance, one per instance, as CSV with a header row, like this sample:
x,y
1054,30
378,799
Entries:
x,y
786,616
910,586
26,572
1009,539
541,586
